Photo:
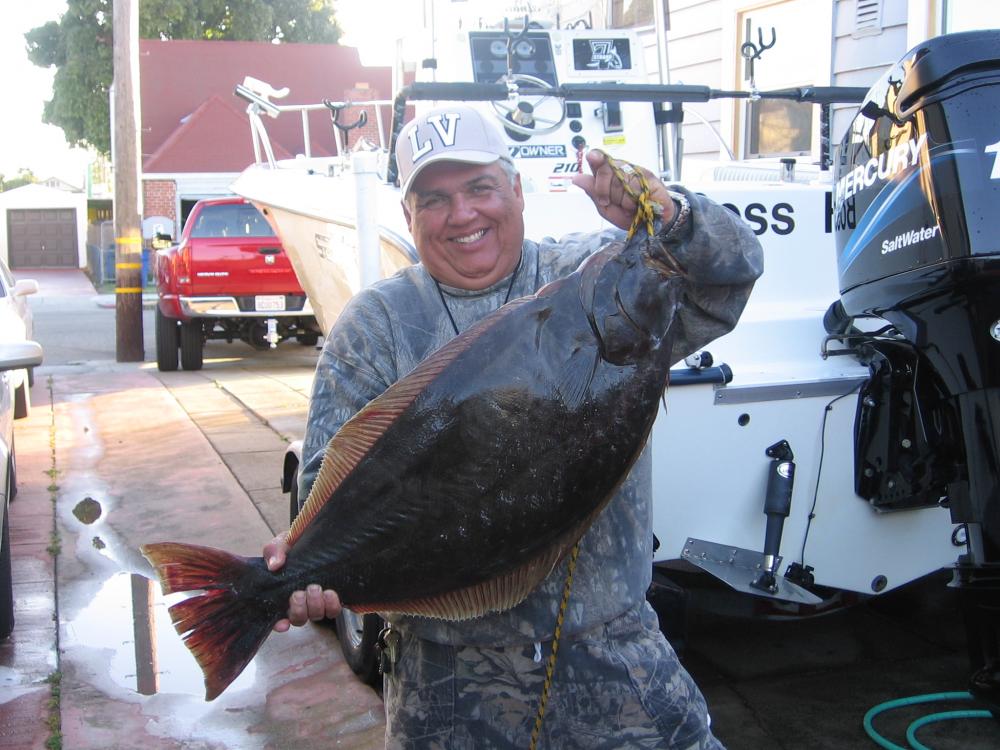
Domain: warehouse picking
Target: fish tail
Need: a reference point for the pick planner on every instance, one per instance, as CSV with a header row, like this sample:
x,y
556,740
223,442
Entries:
x,y
222,627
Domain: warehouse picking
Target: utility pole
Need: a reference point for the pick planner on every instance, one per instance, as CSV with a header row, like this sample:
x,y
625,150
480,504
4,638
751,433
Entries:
x,y
125,158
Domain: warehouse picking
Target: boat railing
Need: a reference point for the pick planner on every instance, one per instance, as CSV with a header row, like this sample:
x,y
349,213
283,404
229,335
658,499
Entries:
x,y
259,95
675,95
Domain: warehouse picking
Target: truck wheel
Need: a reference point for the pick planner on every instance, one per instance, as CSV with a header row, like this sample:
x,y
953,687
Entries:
x,y
167,341
6,580
358,635
22,400
192,345
310,338
293,497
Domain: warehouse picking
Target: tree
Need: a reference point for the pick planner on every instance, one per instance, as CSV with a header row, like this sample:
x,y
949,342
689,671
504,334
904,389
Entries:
x,y
79,46
24,177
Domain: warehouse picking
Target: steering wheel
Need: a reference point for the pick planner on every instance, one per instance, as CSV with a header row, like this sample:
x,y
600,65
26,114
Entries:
x,y
530,115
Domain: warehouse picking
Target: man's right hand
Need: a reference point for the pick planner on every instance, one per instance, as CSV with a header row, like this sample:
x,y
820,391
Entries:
x,y
311,604
611,199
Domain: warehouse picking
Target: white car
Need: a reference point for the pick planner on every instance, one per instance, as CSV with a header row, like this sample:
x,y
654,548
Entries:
x,y
15,357
16,325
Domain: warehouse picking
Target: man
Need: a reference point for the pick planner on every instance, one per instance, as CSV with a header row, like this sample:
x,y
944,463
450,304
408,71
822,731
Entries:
x,y
476,684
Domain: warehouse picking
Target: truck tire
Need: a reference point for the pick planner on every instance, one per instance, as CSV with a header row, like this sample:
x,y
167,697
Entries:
x,y
293,498
358,634
6,579
309,338
167,341
22,400
192,345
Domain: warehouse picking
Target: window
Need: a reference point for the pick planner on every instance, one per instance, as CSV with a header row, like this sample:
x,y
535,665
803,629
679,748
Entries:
x,y
779,128
231,220
790,58
627,14
969,15
8,279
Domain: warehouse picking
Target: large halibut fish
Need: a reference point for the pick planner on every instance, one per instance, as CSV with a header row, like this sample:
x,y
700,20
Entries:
x,y
455,492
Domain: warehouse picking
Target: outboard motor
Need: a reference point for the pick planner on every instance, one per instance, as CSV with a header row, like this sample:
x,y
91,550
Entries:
x,y
917,217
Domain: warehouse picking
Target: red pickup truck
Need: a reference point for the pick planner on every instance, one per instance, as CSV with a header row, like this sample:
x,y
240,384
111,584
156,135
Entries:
x,y
228,278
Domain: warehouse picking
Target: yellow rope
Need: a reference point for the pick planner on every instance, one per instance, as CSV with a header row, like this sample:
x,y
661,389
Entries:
x,y
645,213
645,210
550,666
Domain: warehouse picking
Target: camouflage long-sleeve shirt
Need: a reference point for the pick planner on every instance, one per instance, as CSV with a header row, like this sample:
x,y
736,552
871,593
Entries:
x,y
388,328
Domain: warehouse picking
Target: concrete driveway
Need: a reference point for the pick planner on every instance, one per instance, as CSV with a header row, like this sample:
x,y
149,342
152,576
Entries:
x,y
117,455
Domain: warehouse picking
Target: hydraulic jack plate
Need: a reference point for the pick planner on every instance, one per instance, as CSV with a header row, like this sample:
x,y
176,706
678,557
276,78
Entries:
x,y
738,567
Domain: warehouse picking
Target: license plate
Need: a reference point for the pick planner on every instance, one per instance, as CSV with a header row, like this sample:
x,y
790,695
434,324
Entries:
x,y
269,302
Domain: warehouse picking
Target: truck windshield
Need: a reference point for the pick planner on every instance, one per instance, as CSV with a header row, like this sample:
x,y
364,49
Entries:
x,y
231,220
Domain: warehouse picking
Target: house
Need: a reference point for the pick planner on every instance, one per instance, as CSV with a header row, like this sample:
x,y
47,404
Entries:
x,y
195,132
43,227
814,43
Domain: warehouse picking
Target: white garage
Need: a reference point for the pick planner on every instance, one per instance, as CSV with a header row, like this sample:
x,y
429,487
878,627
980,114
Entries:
x,y
42,227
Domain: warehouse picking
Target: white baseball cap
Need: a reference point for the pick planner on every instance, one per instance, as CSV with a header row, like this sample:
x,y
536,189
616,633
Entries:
x,y
452,133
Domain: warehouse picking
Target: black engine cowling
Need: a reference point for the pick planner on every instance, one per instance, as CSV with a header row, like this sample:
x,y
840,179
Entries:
x,y
917,198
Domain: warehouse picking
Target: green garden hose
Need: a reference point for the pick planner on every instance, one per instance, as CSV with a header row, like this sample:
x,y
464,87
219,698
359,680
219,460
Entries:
x,y
911,731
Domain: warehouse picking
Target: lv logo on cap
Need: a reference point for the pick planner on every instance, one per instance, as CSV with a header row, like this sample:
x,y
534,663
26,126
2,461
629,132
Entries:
x,y
446,132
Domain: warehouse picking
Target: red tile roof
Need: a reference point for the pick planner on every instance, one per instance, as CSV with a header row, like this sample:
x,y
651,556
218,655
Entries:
x,y
192,121
213,138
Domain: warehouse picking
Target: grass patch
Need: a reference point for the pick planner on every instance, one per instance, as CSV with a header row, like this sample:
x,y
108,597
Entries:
x,y
54,718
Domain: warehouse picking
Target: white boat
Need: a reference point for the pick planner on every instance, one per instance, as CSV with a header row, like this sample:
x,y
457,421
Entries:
x,y
340,221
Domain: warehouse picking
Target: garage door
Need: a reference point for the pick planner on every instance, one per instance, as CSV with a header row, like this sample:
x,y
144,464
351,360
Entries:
x,y
42,238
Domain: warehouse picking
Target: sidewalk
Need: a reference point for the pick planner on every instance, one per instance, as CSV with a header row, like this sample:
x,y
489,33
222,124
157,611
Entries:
x,y
109,301
142,456
73,282
29,658
58,282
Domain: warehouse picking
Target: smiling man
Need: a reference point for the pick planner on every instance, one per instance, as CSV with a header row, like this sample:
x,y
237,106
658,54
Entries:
x,y
476,683
462,199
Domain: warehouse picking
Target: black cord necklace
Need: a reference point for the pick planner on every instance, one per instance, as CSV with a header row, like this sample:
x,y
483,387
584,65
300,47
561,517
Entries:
x,y
506,298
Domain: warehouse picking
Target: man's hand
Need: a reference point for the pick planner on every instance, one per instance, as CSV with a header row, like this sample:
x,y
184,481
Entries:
x,y
610,198
312,604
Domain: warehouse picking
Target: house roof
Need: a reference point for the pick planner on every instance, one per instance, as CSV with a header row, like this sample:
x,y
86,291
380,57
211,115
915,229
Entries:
x,y
37,195
213,138
60,184
193,122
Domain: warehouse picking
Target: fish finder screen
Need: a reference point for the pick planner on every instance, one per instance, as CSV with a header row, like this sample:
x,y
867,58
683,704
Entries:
x,y
602,54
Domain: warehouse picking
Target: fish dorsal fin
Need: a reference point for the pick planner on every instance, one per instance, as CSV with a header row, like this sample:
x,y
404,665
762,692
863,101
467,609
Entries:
x,y
353,441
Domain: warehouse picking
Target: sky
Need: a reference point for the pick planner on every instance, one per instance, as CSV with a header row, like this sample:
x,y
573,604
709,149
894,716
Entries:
x,y
25,142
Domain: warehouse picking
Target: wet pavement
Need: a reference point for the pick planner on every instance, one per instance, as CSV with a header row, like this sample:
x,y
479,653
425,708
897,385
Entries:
x,y
117,455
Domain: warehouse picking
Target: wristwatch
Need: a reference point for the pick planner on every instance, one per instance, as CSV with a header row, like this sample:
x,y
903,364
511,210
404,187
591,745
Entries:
x,y
681,218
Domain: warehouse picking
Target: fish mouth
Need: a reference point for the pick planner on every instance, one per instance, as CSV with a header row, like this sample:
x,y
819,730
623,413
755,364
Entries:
x,y
471,238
